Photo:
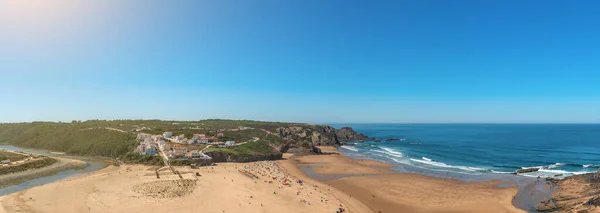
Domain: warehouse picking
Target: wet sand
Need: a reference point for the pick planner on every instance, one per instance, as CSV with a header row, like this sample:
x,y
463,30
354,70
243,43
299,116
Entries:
x,y
383,190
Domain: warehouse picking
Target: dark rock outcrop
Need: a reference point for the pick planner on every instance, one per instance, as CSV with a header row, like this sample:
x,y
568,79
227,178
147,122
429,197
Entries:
x,y
595,201
347,134
527,170
546,206
305,138
392,139
313,134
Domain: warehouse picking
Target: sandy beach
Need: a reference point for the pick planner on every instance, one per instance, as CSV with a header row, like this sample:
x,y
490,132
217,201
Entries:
x,y
384,191
222,188
270,186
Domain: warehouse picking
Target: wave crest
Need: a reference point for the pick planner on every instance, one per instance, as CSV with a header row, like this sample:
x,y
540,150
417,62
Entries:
x,y
349,148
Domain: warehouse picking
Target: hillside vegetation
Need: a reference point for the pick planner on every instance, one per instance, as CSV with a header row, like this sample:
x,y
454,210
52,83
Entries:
x,y
73,138
4,155
116,138
33,164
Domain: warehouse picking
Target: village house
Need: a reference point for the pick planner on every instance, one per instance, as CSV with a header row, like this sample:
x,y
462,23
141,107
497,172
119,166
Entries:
x,y
168,134
150,151
200,135
143,136
148,141
230,143
202,140
220,134
195,154
170,154
179,151
166,147
7,161
191,141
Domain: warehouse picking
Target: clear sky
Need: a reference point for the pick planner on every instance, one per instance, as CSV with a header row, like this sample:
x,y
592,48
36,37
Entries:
x,y
317,61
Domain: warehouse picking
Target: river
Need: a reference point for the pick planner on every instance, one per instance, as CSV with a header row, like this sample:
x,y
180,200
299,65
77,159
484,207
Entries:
x,y
92,165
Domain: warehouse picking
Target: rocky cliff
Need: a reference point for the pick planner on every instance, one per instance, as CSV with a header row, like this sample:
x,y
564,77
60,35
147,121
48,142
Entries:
x,y
305,138
347,134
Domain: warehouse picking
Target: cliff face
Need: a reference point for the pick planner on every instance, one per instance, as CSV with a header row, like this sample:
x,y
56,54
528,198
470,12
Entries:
x,y
303,139
347,134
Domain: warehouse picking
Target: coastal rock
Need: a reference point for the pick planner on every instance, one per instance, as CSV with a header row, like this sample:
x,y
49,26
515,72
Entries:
x,y
305,138
546,206
527,170
392,139
316,135
595,201
347,134
577,192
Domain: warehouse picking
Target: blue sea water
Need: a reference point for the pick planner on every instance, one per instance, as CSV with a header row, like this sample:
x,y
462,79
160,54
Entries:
x,y
559,150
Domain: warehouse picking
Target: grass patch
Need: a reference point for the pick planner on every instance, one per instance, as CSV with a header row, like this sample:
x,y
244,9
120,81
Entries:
x,y
136,158
4,155
249,149
33,164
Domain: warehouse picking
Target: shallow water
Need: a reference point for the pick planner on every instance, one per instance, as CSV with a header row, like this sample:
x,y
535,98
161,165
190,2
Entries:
x,y
483,152
92,165
560,150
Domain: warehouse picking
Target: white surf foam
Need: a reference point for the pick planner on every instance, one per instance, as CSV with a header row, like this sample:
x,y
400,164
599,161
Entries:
x,y
497,172
590,166
392,152
556,165
349,148
440,164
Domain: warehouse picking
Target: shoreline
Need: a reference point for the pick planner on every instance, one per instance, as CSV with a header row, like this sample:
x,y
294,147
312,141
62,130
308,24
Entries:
x,y
62,164
382,189
358,185
226,187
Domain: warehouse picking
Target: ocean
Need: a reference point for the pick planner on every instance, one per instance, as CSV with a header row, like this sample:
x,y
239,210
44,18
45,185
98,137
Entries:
x,y
559,150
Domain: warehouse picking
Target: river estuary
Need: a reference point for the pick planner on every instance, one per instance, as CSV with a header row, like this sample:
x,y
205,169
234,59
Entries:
x,y
92,165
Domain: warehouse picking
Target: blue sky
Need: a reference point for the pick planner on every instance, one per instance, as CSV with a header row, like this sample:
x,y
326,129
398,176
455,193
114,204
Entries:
x,y
308,61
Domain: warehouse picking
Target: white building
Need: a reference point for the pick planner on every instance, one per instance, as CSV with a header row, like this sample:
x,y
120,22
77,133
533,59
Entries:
x,y
203,140
143,136
230,143
168,134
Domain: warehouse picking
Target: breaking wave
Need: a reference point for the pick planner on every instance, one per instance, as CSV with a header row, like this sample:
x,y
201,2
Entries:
x,y
431,162
349,148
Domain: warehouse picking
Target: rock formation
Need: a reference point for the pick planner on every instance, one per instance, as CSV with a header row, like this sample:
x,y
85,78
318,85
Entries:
x,y
527,170
347,134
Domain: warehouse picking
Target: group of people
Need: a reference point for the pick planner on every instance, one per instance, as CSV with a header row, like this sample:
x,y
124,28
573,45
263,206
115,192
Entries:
x,y
270,172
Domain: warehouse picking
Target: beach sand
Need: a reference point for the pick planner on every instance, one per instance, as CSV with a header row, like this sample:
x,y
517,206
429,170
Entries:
x,y
135,188
369,186
382,190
